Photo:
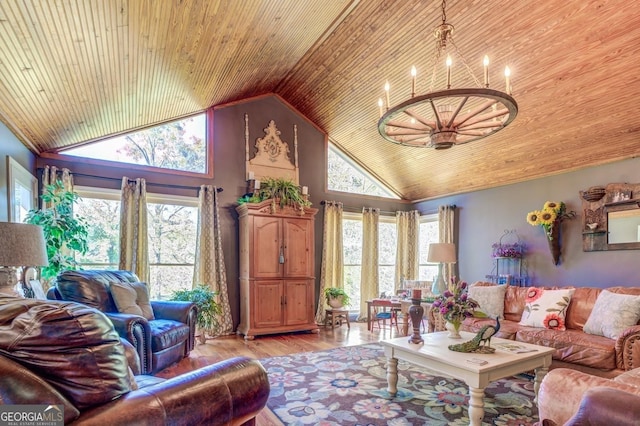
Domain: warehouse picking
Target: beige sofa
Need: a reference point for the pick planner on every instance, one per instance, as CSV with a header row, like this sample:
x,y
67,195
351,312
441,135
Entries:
x,y
575,349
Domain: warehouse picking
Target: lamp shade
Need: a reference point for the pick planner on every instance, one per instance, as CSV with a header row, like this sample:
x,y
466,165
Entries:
x,y
442,253
22,244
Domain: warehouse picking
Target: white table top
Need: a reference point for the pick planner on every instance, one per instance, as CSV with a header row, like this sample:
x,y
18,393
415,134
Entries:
x,y
434,351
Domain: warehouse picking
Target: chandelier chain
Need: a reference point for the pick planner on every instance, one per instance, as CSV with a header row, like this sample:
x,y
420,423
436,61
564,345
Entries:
x,y
464,62
444,13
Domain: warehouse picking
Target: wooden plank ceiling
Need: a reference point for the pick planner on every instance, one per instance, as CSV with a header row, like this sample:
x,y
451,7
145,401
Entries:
x,y
73,71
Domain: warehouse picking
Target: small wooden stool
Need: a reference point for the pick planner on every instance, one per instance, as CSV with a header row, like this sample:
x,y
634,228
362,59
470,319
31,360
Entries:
x,y
336,316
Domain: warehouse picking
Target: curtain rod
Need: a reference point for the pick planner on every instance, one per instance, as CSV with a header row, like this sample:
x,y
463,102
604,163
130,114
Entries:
x,y
165,185
355,210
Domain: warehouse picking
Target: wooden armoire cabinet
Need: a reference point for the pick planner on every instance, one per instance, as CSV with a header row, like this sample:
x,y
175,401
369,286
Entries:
x,y
277,282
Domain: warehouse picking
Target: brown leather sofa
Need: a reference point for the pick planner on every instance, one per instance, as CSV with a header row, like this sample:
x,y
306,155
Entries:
x,y
69,355
159,342
565,398
574,348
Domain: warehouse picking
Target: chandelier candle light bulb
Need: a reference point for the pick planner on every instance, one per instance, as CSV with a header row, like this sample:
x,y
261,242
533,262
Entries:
x,y
507,79
386,90
449,62
485,62
380,105
414,72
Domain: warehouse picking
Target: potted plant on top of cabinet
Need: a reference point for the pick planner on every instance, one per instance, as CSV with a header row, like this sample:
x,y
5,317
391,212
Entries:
x,y
281,191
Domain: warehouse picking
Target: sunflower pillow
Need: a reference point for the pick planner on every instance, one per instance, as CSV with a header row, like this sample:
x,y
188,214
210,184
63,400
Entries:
x,y
546,308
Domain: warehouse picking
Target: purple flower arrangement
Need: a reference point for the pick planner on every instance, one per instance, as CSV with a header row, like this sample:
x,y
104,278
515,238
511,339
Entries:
x,y
514,251
455,304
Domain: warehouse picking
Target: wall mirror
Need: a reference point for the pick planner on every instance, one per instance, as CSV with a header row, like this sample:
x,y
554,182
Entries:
x,y
624,225
611,217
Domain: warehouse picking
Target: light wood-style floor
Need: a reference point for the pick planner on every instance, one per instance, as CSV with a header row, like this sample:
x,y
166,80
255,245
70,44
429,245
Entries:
x,y
285,344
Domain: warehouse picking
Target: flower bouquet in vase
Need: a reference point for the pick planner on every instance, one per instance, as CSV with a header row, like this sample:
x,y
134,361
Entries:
x,y
455,305
550,218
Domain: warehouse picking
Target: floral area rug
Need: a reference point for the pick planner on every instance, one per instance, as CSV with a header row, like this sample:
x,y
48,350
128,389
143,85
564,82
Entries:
x,y
347,386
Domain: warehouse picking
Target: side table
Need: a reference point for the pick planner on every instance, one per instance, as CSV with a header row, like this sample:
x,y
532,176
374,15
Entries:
x,y
334,316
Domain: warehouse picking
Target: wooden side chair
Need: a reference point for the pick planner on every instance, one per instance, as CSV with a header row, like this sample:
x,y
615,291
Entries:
x,y
381,313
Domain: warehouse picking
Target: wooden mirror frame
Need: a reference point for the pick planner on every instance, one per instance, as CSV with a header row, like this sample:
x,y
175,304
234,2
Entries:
x,y
614,197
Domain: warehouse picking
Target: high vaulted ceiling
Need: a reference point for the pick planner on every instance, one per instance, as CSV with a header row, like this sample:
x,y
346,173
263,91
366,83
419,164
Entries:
x,y
79,70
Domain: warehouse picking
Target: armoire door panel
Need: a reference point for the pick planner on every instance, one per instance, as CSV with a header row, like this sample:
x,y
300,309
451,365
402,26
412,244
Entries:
x,y
298,247
268,301
268,248
297,301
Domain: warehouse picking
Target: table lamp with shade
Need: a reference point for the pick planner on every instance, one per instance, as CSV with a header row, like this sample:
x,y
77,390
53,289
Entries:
x,y
21,245
441,253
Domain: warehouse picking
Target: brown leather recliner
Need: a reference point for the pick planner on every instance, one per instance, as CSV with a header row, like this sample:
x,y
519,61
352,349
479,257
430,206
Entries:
x,y
159,342
68,354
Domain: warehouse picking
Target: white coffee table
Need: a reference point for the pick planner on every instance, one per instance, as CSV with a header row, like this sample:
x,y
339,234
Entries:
x,y
435,355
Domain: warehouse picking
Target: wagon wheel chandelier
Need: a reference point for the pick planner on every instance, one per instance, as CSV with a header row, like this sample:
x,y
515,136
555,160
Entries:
x,y
443,118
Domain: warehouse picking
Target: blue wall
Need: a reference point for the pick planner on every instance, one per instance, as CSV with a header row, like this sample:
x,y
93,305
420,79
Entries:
x,y
485,215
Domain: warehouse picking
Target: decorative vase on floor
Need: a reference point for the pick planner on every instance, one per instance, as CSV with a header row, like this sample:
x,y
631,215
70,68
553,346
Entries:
x,y
453,327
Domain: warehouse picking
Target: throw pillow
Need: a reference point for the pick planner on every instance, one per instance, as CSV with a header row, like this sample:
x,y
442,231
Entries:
x,y
490,299
132,298
546,308
612,314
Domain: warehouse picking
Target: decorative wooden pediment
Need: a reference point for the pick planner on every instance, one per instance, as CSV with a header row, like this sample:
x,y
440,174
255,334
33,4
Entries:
x,y
272,156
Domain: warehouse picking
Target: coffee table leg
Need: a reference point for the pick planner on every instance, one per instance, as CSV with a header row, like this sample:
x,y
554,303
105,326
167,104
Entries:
x,y
540,373
392,376
476,406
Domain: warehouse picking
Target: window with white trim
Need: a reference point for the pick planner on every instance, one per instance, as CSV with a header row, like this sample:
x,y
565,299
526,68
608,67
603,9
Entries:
x,y
23,191
344,175
387,240
352,254
429,233
176,145
172,230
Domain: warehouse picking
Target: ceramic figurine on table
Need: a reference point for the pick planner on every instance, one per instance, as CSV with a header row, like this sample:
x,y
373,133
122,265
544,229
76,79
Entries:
x,y
481,342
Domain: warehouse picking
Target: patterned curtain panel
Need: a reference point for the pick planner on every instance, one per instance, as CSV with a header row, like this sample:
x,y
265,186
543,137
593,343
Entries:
x,y
209,263
448,234
407,252
134,245
332,269
369,276
51,174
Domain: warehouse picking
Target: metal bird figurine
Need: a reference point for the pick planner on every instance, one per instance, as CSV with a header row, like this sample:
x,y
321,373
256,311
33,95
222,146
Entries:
x,y
481,342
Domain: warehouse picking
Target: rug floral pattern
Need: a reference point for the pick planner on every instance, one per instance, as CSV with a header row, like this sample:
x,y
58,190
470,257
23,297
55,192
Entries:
x,y
347,386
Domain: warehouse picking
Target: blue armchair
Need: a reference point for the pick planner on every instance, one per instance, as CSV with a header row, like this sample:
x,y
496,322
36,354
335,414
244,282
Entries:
x,y
159,342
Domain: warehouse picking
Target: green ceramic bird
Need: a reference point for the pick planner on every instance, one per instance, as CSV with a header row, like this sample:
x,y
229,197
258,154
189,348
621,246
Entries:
x,y
481,342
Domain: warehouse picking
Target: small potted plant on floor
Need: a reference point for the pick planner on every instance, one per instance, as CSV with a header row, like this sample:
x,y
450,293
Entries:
x,y
208,309
336,297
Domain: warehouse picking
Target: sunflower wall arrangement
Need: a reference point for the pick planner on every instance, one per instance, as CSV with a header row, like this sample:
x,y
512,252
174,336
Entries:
x,y
550,218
